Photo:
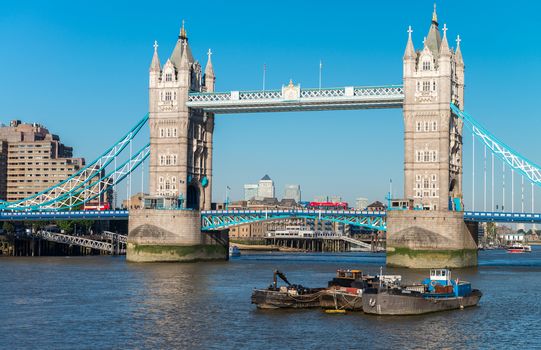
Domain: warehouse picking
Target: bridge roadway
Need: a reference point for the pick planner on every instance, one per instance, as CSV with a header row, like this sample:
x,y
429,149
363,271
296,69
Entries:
x,y
221,219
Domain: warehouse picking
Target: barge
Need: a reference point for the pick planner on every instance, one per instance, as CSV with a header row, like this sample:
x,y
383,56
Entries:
x,y
289,296
439,292
345,291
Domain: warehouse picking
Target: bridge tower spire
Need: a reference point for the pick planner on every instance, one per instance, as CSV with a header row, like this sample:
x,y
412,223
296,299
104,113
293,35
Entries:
x,y
433,78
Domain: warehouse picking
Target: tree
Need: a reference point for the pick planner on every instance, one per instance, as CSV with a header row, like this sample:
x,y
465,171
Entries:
x,y
66,226
8,227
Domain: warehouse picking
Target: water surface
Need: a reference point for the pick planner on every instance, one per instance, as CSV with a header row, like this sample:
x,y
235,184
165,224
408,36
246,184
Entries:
x,y
104,302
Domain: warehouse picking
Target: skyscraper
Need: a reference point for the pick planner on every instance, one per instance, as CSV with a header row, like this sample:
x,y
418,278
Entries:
x,y
265,188
250,191
293,192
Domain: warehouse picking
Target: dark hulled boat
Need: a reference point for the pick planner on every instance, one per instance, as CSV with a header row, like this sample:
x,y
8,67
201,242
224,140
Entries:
x,y
437,293
345,291
288,296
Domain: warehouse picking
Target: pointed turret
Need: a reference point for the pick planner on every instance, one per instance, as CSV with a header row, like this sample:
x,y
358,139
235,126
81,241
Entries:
x,y
444,47
458,53
410,49
179,50
433,39
155,64
209,74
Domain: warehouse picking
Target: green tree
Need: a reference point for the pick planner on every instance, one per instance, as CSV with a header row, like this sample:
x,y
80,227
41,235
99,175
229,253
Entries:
x,y
8,227
66,226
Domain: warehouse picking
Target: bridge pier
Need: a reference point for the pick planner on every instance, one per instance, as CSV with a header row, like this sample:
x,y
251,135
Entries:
x,y
430,239
172,236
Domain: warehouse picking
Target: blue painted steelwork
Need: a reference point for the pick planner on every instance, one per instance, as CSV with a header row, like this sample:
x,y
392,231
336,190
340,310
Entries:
x,y
221,219
63,191
529,169
64,215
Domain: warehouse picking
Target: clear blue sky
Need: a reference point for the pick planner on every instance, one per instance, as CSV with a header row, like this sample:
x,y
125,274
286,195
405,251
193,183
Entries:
x,y
81,68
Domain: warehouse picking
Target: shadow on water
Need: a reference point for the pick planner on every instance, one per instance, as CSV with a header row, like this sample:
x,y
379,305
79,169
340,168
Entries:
x,y
107,303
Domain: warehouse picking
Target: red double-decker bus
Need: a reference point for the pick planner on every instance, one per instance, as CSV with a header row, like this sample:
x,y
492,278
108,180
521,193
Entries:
x,y
328,205
96,206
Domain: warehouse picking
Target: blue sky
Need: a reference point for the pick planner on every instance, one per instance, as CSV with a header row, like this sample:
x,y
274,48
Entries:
x,y
81,68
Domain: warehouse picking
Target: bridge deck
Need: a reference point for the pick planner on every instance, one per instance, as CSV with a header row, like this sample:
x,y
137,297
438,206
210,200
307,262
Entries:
x,y
293,98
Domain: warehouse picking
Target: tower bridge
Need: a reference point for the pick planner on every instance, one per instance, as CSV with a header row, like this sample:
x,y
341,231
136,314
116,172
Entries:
x,y
183,104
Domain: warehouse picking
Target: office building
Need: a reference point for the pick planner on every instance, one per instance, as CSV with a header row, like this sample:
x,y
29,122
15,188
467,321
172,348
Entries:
x,y
293,192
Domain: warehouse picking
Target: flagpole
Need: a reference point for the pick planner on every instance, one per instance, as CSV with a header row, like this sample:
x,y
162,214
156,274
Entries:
x,y
264,75
320,68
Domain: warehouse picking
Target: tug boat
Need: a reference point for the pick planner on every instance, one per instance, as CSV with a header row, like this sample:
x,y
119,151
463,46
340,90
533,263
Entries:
x,y
288,296
437,293
519,248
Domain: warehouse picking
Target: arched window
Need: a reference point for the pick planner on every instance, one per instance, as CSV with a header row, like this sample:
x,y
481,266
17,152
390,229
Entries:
x,y
168,160
161,132
162,159
418,126
426,65
174,182
167,185
174,132
168,95
168,132
174,159
168,77
426,86
434,86
427,126
434,125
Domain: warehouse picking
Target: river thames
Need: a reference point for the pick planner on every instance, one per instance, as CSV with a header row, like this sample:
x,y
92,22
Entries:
x,y
104,302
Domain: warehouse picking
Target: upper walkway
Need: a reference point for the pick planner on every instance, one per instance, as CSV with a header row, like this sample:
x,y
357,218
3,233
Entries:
x,y
293,98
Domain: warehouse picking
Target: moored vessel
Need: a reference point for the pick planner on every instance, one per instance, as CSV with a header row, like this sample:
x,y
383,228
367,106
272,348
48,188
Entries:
x,y
234,251
519,248
288,296
439,292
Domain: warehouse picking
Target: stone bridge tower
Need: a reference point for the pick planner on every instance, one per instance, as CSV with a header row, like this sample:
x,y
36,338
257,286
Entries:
x,y
434,234
180,137
168,228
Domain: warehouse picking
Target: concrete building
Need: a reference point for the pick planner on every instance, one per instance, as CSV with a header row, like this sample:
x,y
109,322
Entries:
x,y
265,188
293,192
250,191
36,160
361,203
3,170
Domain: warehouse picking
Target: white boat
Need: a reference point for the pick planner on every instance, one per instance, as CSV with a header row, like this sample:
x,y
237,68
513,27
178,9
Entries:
x,y
519,248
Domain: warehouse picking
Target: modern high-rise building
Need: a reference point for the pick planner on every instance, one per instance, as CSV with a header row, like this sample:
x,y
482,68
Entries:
x,y
293,192
36,160
265,188
250,191
361,203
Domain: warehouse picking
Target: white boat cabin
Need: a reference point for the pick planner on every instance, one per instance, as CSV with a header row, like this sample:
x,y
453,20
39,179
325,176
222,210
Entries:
x,y
440,275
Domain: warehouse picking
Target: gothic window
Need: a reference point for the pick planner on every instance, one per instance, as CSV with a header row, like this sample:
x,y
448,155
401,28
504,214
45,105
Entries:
x,y
433,185
174,159
161,179
168,160
418,86
433,86
175,95
168,132
418,177
174,132
434,156
161,132
434,177
426,157
418,185
426,86
419,156
168,77
418,126
426,65
426,184
162,159
433,193
167,185
434,125
168,95
418,193
426,193
427,126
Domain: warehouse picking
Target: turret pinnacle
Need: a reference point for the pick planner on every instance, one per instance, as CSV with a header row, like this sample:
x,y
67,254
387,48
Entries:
x,y
155,64
410,49
184,59
433,39
180,49
444,47
182,34
458,53
209,69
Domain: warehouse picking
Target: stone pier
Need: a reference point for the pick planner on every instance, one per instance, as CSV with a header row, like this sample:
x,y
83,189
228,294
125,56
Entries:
x,y
430,239
172,236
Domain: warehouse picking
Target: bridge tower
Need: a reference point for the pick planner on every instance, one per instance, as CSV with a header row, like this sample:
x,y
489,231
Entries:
x,y
168,227
434,234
